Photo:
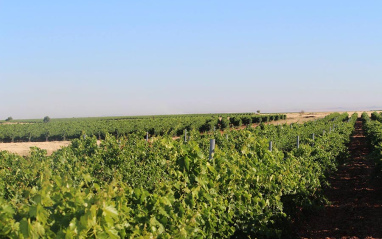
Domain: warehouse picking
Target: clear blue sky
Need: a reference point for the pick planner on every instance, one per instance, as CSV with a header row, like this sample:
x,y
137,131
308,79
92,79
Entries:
x,y
99,58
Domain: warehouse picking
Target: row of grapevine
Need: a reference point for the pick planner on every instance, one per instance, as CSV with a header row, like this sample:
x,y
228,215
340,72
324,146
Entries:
x,y
376,116
129,188
284,136
373,131
175,125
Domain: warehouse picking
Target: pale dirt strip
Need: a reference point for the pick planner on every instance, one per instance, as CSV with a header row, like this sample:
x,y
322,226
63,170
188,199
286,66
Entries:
x,y
23,148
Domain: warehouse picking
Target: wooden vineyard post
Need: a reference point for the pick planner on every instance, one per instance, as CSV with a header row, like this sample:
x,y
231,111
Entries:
x,y
185,135
270,146
147,136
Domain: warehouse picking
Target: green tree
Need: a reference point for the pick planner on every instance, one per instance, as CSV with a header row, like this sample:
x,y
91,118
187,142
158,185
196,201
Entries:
x,y
9,118
46,119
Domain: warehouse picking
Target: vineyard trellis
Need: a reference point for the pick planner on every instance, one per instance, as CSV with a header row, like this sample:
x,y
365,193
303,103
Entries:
x,y
126,187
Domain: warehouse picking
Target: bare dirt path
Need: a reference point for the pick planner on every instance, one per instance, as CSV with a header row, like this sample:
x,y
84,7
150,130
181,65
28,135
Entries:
x,y
355,196
23,148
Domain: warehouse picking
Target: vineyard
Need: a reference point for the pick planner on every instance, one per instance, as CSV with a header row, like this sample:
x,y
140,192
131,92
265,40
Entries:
x,y
191,120
128,187
67,129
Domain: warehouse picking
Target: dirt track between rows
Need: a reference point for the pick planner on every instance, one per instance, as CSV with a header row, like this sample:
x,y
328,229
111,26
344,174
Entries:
x,y
355,196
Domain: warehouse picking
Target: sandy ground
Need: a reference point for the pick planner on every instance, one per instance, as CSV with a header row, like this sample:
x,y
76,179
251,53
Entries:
x,y
23,148
14,123
301,118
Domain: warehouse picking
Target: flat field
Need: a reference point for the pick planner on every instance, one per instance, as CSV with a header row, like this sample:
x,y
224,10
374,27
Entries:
x,y
22,148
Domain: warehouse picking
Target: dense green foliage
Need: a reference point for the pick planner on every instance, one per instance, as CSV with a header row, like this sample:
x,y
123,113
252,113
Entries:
x,y
129,188
373,130
375,116
46,119
285,136
64,129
